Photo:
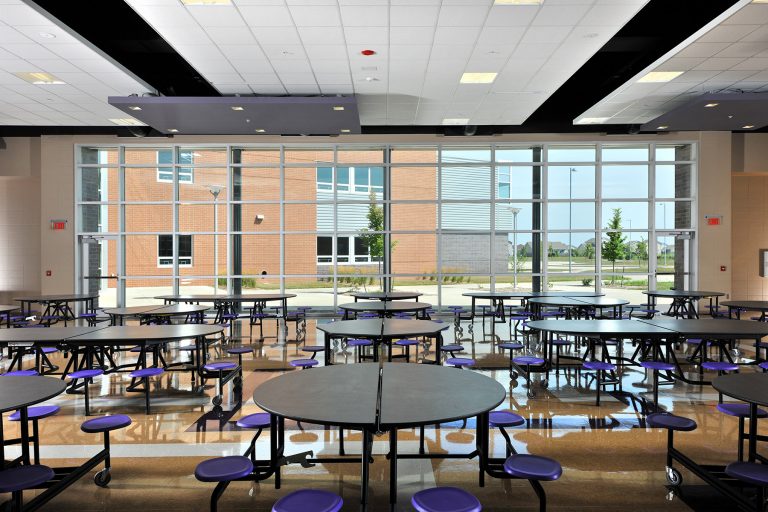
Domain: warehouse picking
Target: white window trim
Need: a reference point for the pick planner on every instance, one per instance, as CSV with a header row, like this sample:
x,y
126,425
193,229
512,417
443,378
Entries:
x,y
181,265
174,170
352,256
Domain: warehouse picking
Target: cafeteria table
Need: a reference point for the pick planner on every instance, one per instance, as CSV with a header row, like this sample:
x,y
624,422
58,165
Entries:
x,y
386,296
576,307
376,399
382,330
227,304
683,301
158,313
57,305
386,308
737,306
7,310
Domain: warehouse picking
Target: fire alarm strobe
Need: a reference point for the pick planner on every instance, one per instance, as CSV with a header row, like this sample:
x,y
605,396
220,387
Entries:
x,y
58,224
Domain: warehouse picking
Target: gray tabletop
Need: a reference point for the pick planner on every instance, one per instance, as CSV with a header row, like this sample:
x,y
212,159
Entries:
x,y
16,392
45,334
755,305
6,308
386,296
348,395
676,294
396,306
599,328
70,297
710,327
139,333
157,310
382,328
227,298
498,295
748,387
559,301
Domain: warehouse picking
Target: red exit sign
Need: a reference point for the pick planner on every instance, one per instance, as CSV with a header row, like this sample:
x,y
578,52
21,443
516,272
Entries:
x,y
58,224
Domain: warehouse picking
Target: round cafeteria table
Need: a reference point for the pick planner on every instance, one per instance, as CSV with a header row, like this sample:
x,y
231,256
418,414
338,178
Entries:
x,y
578,305
377,399
226,303
386,308
747,387
7,310
749,305
386,296
382,330
57,305
162,313
683,301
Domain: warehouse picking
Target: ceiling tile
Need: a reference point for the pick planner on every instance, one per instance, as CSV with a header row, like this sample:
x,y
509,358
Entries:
x,y
243,52
365,15
702,49
367,36
331,66
727,33
463,15
413,16
327,52
512,15
744,49
321,35
231,35
563,15
29,51
457,36
542,34
267,16
411,35
718,64
409,52
315,16
284,68
218,16
275,35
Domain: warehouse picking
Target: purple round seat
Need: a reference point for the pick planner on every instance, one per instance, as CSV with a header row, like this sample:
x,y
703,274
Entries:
x,y
23,373
105,423
740,410
657,365
256,420
239,350
137,349
24,477
518,317
313,349
357,342
599,365
670,422
187,348
406,343
224,469
528,360
445,499
48,350
220,367
452,348
749,472
36,413
510,346
143,373
229,316
763,365
533,467
305,500
460,362
86,374
560,342
505,419
720,366
304,363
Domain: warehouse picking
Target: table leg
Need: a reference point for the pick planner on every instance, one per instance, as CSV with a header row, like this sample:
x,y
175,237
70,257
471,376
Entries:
x,y
393,466
482,429
25,435
752,431
366,455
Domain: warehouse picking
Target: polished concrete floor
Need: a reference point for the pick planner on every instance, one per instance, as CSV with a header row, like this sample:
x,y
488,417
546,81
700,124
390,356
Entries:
x,y
610,460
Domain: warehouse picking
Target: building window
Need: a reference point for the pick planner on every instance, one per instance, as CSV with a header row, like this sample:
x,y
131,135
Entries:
x,y
325,249
165,174
363,180
165,250
325,178
349,250
505,181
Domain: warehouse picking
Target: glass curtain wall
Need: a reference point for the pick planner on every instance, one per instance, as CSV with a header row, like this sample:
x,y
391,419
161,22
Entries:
x,y
321,221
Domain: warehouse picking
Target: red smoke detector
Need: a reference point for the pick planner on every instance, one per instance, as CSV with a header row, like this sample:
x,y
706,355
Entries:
x,y
368,52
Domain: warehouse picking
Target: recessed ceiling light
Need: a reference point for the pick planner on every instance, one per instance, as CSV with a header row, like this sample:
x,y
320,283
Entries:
x,y
710,105
173,130
371,79
338,107
47,35
760,1
660,76
127,121
592,120
39,78
135,107
478,78
237,109
662,127
260,130
748,126
345,130
206,2
518,2
455,121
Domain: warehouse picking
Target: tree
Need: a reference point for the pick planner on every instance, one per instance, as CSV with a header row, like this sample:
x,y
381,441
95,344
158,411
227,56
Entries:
x,y
589,250
372,237
642,249
614,247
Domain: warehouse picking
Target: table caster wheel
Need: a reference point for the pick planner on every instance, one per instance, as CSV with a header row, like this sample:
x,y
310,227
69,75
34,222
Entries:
x,y
102,478
674,477
217,401
530,394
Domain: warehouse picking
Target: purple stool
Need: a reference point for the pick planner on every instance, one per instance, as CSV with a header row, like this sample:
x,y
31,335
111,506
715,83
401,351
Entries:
x,y
740,411
534,468
599,367
503,420
304,363
751,473
406,345
451,349
720,367
23,373
511,346
144,374
528,361
445,499
763,366
308,500
219,368
87,376
90,318
656,366
257,421
313,350
460,362
41,359
672,423
105,424
16,479
239,351
34,414
359,344
223,470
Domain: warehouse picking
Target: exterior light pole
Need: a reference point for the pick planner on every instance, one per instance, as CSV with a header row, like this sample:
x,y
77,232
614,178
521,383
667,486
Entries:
x,y
570,218
514,211
215,190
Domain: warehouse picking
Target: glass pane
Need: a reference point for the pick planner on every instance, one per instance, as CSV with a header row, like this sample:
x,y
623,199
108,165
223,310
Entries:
x,y
505,216
98,218
576,182
466,216
256,156
142,292
518,154
629,153
673,180
316,292
356,217
414,254
301,185
631,215
342,248
98,155
253,184
148,218
264,217
665,260
101,260
262,283
299,156
152,156
414,217
466,253
466,182
571,154
204,261
201,217
414,183
525,182
342,179
625,181
203,157
142,257
355,156
674,152
637,255
324,248
465,155
506,261
673,215
361,179
206,184
260,254
572,253
99,184
571,216
148,184
300,257
581,283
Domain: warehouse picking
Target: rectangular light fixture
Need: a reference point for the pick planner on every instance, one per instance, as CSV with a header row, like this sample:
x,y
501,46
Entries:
x,y
518,2
659,76
748,126
592,120
260,130
760,1
662,127
39,78
237,109
710,105
135,107
173,130
455,121
345,130
206,2
338,108
478,78
127,121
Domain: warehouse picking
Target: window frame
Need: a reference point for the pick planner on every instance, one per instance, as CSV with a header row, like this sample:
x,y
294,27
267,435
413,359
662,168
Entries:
x,y
180,258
